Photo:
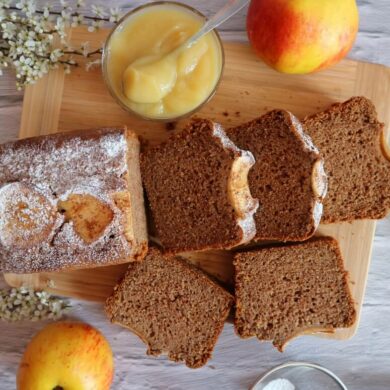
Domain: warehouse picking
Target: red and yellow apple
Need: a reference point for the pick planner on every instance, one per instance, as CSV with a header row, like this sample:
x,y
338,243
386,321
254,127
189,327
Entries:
x,y
66,356
302,36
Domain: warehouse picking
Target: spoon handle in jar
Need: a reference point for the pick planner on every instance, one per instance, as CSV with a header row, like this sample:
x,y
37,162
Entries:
x,y
226,12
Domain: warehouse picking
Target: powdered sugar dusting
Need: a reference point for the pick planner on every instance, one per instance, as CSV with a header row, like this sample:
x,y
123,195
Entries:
x,y
317,213
49,169
308,142
220,133
242,196
113,146
26,216
319,177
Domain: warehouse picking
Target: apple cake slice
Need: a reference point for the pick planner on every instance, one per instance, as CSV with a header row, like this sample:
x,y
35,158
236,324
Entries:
x,y
288,177
172,306
197,187
285,291
357,159
71,200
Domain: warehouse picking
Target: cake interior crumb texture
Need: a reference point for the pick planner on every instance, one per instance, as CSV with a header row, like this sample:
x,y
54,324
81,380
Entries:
x,y
282,292
187,185
172,306
287,177
357,160
71,200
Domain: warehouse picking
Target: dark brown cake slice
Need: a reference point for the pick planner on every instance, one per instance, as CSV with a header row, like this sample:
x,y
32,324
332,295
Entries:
x,y
172,306
197,187
282,292
288,177
357,160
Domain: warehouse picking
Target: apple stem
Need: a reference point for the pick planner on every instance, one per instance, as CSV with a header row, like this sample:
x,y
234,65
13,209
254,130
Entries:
x,y
58,388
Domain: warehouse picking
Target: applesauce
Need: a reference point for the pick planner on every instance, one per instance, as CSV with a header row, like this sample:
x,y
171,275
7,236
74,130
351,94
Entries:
x,y
146,75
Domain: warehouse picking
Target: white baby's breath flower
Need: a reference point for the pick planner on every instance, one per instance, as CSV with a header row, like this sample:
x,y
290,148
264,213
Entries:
x,y
66,14
5,3
56,54
3,15
77,20
93,64
85,48
26,304
26,6
114,15
95,25
27,45
9,30
98,11
46,12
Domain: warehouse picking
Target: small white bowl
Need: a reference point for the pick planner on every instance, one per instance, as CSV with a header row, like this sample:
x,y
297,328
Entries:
x,y
303,375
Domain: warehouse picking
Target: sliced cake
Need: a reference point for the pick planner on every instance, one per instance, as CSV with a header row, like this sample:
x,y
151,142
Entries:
x,y
196,184
288,177
71,200
284,291
172,306
357,160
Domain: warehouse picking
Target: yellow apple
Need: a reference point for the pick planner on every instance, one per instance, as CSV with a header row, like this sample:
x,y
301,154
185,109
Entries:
x,y
66,356
302,36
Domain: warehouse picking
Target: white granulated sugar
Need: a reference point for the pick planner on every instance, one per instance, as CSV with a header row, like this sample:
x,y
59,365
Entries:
x,y
279,384
50,169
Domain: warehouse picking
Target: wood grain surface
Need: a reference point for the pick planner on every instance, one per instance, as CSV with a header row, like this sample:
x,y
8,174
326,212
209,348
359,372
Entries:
x,y
362,362
81,100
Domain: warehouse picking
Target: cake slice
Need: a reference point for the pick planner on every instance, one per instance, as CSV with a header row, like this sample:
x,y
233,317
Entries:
x,y
288,177
285,291
196,184
357,160
172,306
71,200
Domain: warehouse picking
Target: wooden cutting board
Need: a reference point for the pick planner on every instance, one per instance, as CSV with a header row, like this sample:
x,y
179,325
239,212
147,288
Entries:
x,y
248,89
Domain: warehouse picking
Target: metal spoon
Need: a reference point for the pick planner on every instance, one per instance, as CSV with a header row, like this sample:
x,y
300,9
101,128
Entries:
x,y
225,13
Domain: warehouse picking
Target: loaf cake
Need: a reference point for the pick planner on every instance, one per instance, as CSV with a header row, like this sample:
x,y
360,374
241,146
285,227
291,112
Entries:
x,y
288,177
196,184
285,291
172,306
353,144
71,200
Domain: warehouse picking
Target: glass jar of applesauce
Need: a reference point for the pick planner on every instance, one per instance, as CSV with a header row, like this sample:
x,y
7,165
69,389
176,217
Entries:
x,y
146,78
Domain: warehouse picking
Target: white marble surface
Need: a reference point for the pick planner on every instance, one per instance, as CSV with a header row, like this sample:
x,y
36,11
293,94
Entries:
x,y
362,362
